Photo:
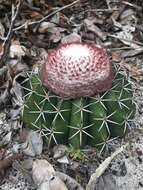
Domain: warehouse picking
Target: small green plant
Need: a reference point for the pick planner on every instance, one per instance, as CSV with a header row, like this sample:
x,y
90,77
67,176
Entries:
x,y
75,153
81,121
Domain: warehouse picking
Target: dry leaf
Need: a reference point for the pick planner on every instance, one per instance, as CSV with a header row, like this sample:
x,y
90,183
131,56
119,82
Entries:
x,y
71,183
55,183
16,66
59,151
90,26
132,53
16,50
34,14
45,27
3,75
6,139
41,171
116,56
45,178
2,30
33,145
4,94
16,92
73,37
135,72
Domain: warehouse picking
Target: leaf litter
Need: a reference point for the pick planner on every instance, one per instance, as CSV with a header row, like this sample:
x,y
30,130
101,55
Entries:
x,y
28,30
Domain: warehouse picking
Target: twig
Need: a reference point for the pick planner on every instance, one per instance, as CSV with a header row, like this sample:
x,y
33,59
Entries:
x,y
101,169
132,5
46,17
7,41
102,10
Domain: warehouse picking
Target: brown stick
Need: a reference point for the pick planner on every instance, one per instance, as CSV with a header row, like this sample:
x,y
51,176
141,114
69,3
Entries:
x,y
46,17
7,41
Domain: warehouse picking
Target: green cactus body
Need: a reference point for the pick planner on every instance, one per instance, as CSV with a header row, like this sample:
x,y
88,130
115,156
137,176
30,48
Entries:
x,y
61,120
78,121
123,107
39,107
29,115
98,129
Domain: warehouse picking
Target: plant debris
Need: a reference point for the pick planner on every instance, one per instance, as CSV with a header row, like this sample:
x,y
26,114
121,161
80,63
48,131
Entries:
x,y
28,31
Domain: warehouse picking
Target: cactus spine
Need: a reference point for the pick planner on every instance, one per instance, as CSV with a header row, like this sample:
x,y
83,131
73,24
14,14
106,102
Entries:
x,y
79,121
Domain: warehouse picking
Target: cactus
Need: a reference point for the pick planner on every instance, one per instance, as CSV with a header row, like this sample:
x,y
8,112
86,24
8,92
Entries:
x,y
80,121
